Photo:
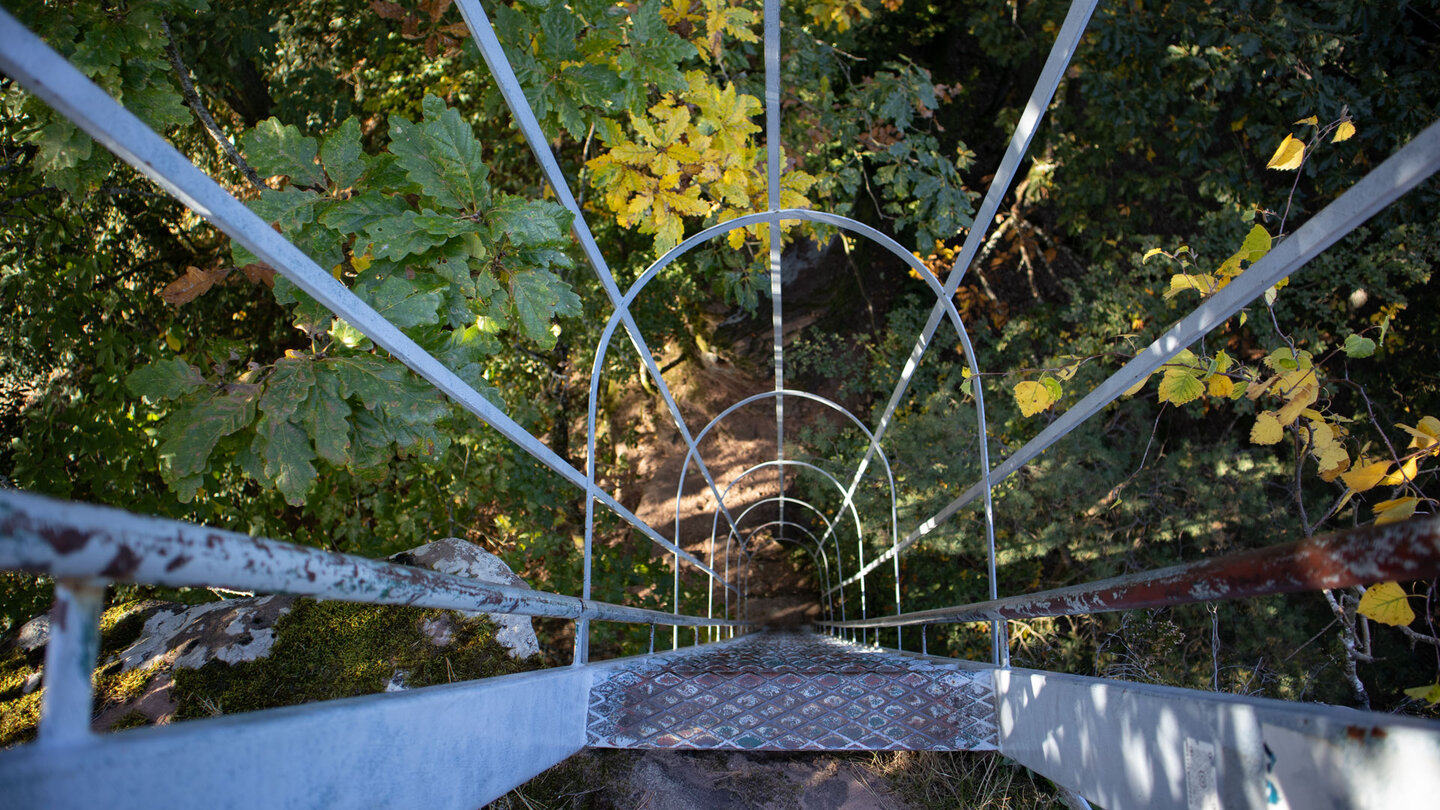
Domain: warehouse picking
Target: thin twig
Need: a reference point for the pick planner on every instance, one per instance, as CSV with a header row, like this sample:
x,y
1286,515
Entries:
x,y
192,98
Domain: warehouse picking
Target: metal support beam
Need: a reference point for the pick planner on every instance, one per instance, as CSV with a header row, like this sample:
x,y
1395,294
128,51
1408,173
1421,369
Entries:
x,y
1132,746
457,746
70,655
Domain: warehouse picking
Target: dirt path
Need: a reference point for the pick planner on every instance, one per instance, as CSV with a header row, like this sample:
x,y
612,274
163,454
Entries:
x,y
781,591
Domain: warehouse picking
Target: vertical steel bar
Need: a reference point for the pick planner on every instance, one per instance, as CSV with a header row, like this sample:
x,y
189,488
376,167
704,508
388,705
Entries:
x,y
70,655
773,151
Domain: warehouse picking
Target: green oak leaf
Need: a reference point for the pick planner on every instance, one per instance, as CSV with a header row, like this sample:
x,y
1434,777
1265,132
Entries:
x,y
403,302
190,434
344,158
348,336
164,379
443,156
354,215
399,236
367,377
326,416
287,453
372,447
290,208
539,295
275,148
527,222
287,387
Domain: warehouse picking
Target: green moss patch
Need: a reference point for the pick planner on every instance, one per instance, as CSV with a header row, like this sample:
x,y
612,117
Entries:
x,y
328,650
19,712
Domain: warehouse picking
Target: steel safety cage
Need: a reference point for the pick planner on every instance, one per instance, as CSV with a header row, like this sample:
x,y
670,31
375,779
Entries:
x,y
85,547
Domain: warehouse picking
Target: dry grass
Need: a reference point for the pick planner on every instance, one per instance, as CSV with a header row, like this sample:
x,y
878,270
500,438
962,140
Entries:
x,y
975,780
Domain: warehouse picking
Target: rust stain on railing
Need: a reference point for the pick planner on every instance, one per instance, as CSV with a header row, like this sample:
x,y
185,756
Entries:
x,y
1398,551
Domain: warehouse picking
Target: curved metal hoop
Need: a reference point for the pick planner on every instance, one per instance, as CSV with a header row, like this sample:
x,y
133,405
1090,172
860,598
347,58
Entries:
x,y
783,539
829,595
714,523
844,223
825,603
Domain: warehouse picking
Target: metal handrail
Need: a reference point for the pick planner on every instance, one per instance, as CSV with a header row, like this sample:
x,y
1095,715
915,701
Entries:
x,y
67,540
1398,551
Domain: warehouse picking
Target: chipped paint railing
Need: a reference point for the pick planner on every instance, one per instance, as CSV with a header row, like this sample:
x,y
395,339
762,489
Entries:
x,y
84,546
1399,551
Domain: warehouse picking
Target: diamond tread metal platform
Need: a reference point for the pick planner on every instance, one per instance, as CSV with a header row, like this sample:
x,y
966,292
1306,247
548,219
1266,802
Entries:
x,y
790,691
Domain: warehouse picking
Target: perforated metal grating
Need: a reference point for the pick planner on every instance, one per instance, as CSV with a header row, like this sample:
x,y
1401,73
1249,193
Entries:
x,y
794,692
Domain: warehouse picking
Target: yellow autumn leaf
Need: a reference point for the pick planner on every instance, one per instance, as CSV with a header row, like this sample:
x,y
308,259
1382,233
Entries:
x,y
1289,156
1386,603
1301,395
1343,132
1425,434
1254,390
1366,476
1135,389
1430,693
1221,386
1394,511
1033,397
1312,121
1405,473
1203,283
1179,386
1267,429
1329,454
1334,463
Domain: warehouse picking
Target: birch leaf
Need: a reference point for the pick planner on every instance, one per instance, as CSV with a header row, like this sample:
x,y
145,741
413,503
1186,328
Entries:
x,y
1288,156
1429,693
1267,429
1394,511
1386,603
1366,476
1032,397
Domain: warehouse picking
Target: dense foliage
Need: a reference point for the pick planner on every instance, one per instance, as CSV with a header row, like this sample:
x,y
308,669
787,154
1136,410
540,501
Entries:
x,y
148,362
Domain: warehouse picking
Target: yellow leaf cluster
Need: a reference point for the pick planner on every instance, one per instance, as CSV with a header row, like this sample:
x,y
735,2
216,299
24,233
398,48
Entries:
x,y
839,14
1254,248
692,155
709,22
1327,449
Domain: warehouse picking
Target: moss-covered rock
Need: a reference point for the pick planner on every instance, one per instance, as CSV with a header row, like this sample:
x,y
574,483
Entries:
x,y
327,650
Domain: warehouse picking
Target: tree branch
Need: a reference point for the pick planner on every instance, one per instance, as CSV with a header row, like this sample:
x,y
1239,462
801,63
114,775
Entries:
x,y
192,98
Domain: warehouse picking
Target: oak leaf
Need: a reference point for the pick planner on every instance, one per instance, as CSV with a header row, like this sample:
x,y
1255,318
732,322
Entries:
x,y
192,285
